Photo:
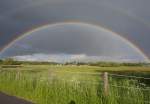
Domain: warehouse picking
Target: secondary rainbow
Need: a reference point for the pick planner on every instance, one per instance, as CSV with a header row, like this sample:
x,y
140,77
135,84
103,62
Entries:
x,y
37,28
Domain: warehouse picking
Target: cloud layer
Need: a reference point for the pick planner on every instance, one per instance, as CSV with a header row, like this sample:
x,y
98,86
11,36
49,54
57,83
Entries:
x,y
73,40
62,58
130,18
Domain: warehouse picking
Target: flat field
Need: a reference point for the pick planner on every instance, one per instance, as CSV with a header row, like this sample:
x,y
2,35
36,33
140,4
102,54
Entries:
x,y
66,84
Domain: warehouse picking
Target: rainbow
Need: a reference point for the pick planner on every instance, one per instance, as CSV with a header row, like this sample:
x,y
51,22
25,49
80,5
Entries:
x,y
37,28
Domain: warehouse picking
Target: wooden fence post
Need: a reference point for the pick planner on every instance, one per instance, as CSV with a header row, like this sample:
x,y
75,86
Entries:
x,y
106,84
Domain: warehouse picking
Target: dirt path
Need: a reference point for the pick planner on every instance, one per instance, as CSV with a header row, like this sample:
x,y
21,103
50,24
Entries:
x,y
6,99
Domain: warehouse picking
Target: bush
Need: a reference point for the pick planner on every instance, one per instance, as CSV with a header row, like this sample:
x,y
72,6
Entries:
x,y
1,61
105,64
10,61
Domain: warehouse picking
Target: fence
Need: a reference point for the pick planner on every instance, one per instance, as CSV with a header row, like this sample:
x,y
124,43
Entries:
x,y
106,84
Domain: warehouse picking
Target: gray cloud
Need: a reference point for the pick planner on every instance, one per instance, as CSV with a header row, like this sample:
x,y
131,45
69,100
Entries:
x,y
127,17
74,39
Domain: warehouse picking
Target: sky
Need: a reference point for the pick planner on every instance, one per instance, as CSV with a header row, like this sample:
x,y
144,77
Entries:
x,y
64,42
129,18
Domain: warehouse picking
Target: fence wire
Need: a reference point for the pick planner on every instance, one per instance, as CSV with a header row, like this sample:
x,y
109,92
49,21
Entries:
x,y
127,76
145,102
125,87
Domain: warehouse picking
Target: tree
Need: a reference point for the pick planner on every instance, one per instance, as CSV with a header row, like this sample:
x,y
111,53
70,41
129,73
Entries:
x,y
8,61
1,61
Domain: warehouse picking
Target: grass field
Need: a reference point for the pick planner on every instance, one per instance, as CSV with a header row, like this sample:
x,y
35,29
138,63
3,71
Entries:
x,y
53,84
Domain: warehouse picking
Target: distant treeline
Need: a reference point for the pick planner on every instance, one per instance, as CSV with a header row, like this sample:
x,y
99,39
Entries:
x,y
107,64
10,61
115,64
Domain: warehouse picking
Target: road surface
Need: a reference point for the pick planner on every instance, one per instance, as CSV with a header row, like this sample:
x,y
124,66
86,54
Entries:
x,y
7,99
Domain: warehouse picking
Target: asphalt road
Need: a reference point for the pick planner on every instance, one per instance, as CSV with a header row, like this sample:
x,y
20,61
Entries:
x,y
7,99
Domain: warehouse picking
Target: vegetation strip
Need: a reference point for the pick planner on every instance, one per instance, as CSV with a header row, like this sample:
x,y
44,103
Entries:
x,y
53,84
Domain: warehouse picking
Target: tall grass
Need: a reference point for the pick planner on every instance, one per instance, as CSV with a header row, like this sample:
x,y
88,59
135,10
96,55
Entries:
x,y
42,89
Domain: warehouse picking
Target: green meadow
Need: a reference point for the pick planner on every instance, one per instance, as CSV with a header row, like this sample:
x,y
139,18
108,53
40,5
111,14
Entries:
x,y
72,84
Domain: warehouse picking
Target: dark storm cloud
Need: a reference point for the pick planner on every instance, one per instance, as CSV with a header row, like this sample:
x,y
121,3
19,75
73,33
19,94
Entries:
x,y
75,41
127,17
